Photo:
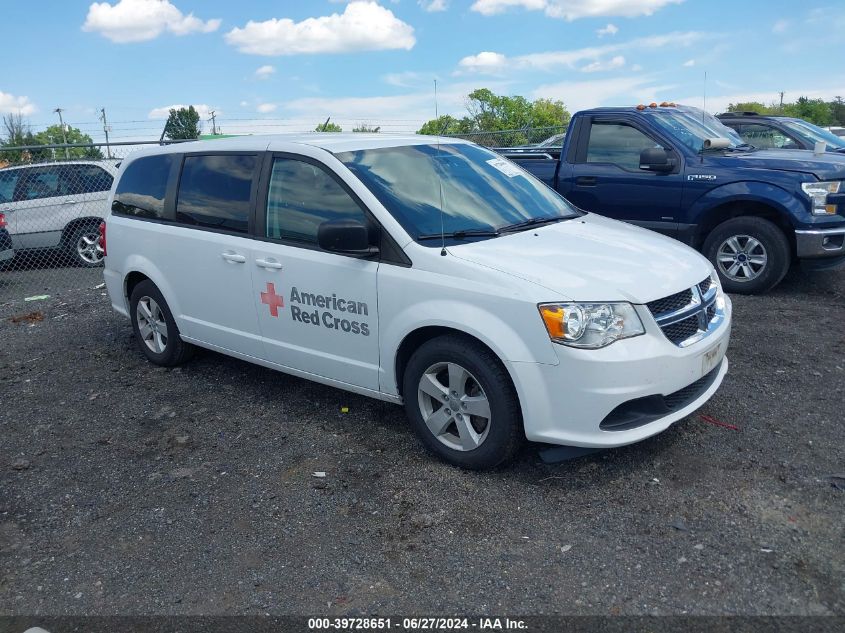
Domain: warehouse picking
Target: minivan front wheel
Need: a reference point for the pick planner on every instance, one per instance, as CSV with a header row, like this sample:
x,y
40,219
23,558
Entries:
x,y
154,327
461,403
751,254
84,246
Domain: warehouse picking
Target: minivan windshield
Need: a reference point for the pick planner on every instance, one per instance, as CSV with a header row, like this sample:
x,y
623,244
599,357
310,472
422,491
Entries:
x,y
814,134
692,126
481,193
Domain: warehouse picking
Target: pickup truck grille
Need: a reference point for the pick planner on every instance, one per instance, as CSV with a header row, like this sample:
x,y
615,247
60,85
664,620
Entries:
x,y
686,316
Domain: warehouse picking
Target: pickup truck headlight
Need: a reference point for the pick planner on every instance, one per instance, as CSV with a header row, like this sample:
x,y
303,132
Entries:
x,y
590,325
818,192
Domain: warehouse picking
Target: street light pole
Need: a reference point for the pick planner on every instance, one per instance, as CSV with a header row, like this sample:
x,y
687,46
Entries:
x,y
64,133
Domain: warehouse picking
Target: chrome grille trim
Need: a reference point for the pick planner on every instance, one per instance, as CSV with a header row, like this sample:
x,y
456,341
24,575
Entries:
x,y
693,322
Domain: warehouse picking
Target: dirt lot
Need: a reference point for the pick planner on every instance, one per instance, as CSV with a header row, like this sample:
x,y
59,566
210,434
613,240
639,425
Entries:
x,y
127,488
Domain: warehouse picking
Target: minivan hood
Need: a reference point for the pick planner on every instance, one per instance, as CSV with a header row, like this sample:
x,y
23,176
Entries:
x,y
827,166
592,258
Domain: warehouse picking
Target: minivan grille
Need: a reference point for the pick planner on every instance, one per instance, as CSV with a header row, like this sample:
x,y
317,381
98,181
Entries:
x,y
687,313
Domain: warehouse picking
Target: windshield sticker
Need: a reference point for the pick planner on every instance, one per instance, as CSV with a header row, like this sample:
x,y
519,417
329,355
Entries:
x,y
505,166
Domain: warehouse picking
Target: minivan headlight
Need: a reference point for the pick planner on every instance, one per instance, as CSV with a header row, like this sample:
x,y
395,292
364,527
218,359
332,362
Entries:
x,y
590,325
818,192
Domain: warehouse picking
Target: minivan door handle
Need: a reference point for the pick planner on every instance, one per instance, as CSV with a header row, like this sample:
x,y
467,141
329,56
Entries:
x,y
586,181
268,263
235,258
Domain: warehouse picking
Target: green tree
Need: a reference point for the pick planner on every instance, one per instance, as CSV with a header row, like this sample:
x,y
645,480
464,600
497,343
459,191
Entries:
x,y
183,123
328,127
445,124
813,110
509,115
365,127
750,106
53,136
837,110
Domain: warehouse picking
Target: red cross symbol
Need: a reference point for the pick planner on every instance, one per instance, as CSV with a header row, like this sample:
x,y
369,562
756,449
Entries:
x,y
272,299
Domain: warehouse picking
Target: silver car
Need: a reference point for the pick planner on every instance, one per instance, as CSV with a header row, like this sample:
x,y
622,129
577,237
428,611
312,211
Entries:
x,y
57,206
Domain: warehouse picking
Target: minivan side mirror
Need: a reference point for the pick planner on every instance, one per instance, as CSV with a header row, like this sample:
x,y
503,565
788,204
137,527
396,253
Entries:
x,y
655,159
349,237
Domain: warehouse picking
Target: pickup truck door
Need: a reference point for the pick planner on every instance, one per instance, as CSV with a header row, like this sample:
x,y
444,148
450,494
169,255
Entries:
x,y
606,179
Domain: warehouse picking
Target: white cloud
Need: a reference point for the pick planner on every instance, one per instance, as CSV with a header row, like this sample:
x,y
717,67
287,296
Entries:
x,y
361,26
636,68
202,109
244,104
780,26
266,108
689,63
575,9
433,5
579,95
610,29
10,104
264,72
142,20
495,63
611,64
408,79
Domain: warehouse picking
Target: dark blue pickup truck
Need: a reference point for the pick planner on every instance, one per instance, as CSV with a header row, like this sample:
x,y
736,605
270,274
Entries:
x,y
679,171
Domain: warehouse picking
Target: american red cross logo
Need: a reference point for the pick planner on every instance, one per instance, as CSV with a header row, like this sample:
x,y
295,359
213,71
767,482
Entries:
x,y
272,299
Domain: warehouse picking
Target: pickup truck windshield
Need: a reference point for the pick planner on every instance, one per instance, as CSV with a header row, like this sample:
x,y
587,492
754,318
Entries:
x,y
692,126
814,134
482,192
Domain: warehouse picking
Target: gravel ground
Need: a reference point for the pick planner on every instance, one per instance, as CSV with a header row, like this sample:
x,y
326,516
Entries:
x,y
131,489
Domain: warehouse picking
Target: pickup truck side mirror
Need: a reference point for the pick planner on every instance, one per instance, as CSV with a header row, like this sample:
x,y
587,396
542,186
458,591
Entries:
x,y
655,159
349,237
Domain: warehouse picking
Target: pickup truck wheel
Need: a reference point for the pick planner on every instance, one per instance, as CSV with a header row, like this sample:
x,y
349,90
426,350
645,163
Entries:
x,y
750,254
462,404
84,246
154,327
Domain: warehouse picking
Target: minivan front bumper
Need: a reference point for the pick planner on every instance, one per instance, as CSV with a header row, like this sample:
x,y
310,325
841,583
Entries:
x,y
620,394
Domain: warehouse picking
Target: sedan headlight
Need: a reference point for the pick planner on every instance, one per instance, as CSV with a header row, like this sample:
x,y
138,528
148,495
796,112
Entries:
x,y
818,192
590,325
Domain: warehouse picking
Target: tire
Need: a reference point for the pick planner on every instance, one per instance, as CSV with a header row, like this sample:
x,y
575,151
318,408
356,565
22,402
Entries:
x,y
760,251
83,246
162,343
466,440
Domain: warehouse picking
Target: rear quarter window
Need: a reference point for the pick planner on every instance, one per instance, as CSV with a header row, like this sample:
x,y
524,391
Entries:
x,y
215,191
142,186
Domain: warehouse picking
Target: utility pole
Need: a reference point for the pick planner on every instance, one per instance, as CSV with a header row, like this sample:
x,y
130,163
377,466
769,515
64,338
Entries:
x,y
781,101
106,129
213,124
64,132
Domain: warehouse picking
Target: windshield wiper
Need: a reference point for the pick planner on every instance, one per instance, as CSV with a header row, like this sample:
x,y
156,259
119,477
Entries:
x,y
531,222
461,234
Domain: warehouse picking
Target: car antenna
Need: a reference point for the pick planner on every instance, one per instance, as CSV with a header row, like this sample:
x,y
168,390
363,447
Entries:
x,y
439,179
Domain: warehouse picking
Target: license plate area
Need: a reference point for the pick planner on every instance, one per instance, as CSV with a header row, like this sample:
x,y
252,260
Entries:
x,y
711,358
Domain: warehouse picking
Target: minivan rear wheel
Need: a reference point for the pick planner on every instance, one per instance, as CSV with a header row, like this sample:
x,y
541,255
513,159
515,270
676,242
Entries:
x,y
462,404
154,327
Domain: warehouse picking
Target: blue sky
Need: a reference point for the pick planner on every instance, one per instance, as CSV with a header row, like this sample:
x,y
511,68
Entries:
x,y
271,66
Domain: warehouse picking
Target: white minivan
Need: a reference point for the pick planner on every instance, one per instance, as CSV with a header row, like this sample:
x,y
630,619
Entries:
x,y
416,270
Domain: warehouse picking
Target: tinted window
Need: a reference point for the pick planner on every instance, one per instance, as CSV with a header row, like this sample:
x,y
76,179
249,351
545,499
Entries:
x,y
765,137
618,144
8,180
301,197
474,188
214,191
140,191
39,182
78,179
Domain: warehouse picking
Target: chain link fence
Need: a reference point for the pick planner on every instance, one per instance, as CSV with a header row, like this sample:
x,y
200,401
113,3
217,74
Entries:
x,y
550,138
52,200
